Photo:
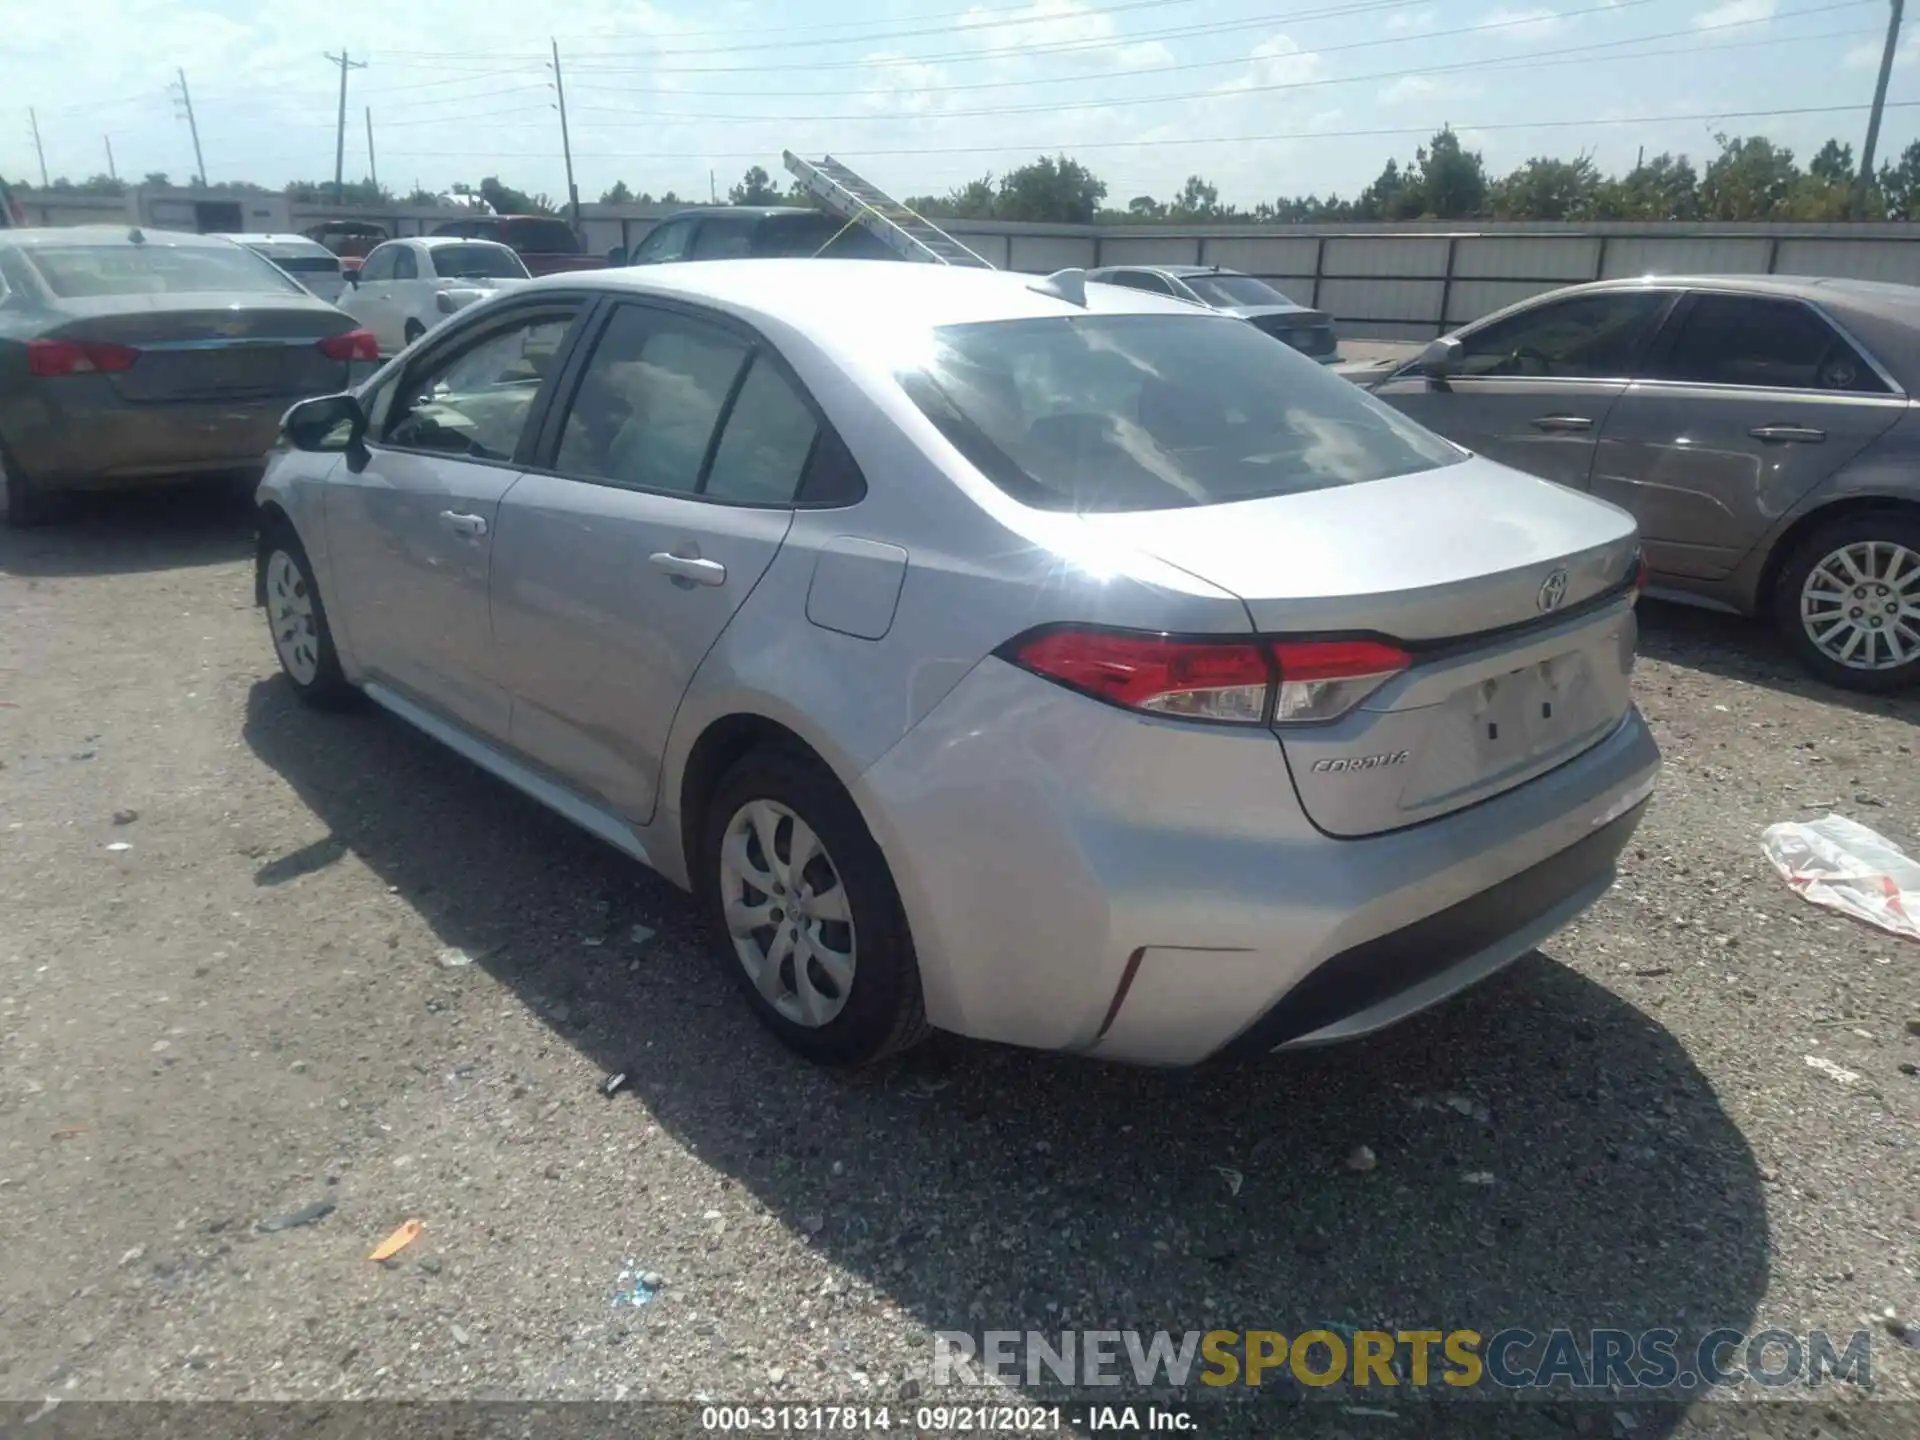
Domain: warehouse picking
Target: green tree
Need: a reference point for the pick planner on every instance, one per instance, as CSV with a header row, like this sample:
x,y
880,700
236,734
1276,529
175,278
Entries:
x,y
755,188
505,200
1052,188
421,197
974,200
1451,179
1198,200
1899,184
616,194
1547,189
1750,179
320,192
1395,194
1145,207
1663,188
1833,163
157,179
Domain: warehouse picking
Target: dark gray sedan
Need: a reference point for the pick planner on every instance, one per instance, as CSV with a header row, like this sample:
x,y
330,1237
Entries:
x,y
1307,330
129,357
1760,428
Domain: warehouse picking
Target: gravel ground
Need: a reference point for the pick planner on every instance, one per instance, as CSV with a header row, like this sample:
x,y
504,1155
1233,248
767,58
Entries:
x,y
233,983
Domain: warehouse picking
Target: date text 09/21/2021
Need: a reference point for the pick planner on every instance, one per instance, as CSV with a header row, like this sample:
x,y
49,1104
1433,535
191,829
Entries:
x,y
981,1419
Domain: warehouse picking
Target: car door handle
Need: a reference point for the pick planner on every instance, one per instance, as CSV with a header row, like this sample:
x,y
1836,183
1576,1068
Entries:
x,y
1563,422
470,525
1805,435
690,567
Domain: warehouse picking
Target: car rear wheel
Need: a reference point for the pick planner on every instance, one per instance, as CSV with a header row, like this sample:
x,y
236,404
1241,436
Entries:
x,y
298,622
1848,601
804,909
414,331
26,504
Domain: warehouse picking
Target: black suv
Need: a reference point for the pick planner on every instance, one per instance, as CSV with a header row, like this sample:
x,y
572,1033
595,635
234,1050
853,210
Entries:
x,y
739,232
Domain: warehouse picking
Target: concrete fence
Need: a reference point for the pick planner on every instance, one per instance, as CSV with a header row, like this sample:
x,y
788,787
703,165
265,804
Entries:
x,y
1409,281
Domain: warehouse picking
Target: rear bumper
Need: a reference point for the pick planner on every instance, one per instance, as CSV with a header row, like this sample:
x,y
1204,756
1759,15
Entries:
x,y
1080,878
96,440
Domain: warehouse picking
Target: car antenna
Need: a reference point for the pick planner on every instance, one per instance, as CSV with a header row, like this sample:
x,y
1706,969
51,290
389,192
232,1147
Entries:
x,y
136,237
1067,285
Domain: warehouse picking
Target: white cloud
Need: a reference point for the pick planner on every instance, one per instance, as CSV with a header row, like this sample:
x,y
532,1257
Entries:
x,y
1736,12
1408,22
1867,56
1062,23
1410,89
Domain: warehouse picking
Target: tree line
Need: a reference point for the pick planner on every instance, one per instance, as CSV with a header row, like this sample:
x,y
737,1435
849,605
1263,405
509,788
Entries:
x,y
1750,178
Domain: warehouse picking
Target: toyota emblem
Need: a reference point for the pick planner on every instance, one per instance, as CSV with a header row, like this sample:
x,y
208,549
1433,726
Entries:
x,y
1553,590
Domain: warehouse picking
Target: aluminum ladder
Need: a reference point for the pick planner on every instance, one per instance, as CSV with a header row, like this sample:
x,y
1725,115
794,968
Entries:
x,y
860,202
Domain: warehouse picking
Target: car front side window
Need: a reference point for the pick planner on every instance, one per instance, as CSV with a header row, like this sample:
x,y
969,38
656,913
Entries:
x,y
405,266
475,401
1590,337
669,242
378,265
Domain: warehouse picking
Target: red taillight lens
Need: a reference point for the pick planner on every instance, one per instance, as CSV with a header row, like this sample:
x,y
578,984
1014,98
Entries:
x,y
1240,683
51,358
1324,679
1196,680
353,345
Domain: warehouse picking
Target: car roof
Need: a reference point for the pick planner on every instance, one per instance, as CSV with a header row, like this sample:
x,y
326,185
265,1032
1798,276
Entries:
x,y
111,235
304,242
435,242
842,305
752,212
1181,271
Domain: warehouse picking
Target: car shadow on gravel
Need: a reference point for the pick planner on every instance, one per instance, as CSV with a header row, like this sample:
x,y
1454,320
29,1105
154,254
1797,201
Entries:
x,y
176,527
1734,647
1546,1154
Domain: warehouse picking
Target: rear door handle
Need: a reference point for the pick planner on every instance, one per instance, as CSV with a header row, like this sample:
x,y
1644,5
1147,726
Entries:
x,y
470,525
1805,435
690,567
1563,422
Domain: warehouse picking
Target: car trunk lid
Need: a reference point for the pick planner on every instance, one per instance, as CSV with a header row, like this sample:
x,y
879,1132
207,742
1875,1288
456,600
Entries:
x,y
1308,331
1511,596
210,347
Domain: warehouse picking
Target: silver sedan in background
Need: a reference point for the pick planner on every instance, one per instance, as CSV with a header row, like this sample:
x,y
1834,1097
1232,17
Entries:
x,y
1760,428
1033,659
130,357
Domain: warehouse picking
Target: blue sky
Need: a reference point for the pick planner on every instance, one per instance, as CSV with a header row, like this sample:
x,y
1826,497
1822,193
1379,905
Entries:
x,y
1263,99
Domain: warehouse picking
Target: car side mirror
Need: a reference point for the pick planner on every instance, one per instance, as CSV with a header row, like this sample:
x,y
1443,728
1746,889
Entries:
x,y
616,257
326,425
1441,358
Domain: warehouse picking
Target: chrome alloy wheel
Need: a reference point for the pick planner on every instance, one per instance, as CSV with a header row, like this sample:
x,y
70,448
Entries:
x,y
787,913
1861,605
290,612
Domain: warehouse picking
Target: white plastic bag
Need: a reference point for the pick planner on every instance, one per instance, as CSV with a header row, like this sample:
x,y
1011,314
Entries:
x,y
1847,867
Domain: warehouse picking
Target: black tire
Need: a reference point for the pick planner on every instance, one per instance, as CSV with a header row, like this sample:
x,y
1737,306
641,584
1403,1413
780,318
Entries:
x,y
327,687
1901,527
884,1012
28,506
414,331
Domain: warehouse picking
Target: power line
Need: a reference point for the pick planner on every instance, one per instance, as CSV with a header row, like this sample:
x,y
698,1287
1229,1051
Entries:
x,y
1032,145
1574,54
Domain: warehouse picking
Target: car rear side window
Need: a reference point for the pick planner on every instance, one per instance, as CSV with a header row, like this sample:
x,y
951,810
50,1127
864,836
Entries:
x,y
1760,341
1147,412
723,238
768,438
540,237
649,400
1584,337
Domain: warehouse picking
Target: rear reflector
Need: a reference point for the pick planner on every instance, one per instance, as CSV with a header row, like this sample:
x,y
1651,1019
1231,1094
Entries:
x,y
1231,682
352,345
50,358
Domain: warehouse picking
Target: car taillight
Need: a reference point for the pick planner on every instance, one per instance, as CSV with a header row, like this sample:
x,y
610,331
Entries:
x,y
1324,679
1233,682
352,345
50,358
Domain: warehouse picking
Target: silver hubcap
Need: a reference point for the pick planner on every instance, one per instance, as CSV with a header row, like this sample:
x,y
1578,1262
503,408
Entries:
x,y
787,912
1861,605
290,613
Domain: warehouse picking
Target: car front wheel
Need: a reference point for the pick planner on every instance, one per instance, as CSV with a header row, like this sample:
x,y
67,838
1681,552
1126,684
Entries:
x,y
805,911
298,621
1848,601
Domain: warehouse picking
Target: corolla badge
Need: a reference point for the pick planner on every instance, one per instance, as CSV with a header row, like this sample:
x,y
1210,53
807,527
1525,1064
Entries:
x,y
1553,591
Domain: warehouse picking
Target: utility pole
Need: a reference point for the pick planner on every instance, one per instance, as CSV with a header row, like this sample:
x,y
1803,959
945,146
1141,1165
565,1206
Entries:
x,y
713,188
193,127
566,144
38,149
1879,104
340,128
373,170
112,174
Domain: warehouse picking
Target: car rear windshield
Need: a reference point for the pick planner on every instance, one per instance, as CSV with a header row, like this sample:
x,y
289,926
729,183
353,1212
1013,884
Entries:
x,y
1150,412
541,237
477,262
1234,290
75,272
303,262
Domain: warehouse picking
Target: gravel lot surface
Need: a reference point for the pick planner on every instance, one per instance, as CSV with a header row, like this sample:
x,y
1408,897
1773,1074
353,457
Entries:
x,y
234,982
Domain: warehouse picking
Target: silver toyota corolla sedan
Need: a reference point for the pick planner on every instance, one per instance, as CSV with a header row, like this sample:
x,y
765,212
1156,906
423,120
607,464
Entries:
x,y
1041,661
